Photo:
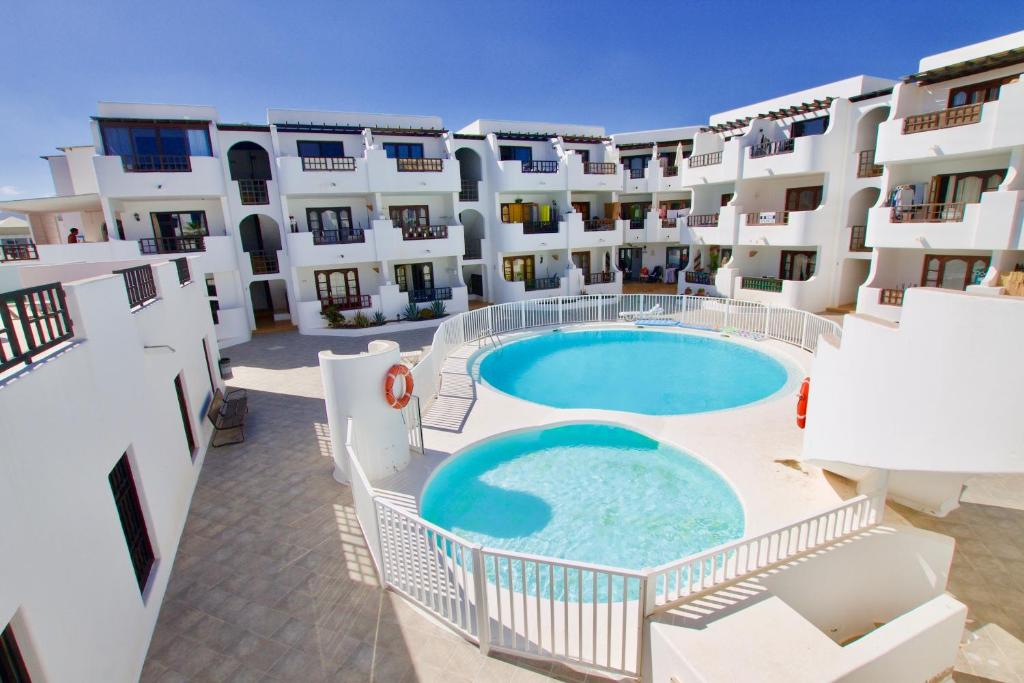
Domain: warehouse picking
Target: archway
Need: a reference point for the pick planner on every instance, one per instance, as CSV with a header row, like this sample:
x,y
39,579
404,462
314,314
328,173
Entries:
x,y
471,173
473,231
269,300
261,239
248,161
867,130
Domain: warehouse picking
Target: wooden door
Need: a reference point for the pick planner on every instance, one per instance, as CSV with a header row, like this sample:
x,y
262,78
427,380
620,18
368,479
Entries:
x,y
952,272
337,283
582,261
582,208
410,216
803,198
518,268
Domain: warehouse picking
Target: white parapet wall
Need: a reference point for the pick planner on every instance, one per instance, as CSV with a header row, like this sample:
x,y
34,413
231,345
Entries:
x,y
932,400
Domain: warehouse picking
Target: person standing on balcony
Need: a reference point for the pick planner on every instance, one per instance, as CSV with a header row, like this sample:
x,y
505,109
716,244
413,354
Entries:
x,y
73,236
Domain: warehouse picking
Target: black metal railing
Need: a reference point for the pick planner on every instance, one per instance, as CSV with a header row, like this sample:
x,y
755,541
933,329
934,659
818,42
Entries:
x,y
350,236
543,283
636,223
420,165
599,168
420,296
19,252
470,191
139,284
598,225
695,277
702,220
866,166
346,302
328,163
540,227
253,191
184,272
474,249
149,163
32,320
424,232
540,167
857,235
762,284
635,173
599,278
768,149
264,262
171,245
709,159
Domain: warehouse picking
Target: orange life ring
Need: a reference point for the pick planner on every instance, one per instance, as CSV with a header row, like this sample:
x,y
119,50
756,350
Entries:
x,y
801,403
394,372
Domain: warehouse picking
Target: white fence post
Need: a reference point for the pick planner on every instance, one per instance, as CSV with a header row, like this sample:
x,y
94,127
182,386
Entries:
x,y
725,323
522,314
559,310
483,618
767,320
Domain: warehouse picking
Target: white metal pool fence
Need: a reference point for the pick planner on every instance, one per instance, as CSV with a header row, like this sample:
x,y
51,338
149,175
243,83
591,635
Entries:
x,y
578,613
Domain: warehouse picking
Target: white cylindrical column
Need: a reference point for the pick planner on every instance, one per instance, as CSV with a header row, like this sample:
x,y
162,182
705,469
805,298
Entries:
x,y
354,388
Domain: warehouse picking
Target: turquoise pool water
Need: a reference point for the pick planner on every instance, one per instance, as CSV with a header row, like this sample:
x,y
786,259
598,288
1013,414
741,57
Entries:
x,y
585,492
639,371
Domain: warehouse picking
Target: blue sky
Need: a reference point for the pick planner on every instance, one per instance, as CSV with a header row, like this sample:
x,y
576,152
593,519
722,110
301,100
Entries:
x,y
623,65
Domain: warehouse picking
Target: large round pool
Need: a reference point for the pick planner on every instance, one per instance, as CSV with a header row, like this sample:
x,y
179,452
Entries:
x,y
638,371
585,492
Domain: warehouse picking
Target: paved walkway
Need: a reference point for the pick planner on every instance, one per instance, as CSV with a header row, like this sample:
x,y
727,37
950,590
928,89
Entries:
x,y
273,581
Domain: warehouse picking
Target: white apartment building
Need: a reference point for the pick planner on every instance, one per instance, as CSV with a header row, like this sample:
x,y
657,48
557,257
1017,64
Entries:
x,y
104,385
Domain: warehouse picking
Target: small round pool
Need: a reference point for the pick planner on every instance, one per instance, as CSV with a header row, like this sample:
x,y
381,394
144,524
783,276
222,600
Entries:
x,y
638,371
586,492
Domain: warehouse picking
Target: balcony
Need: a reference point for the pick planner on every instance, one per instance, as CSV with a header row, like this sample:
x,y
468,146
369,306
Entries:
x,y
786,228
693,277
599,225
172,245
385,174
866,166
264,262
540,227
599,278
702,220
769,149
419,165
417,241
32,321
348,302
422,296
313,176
663,229
720,166
332,247
766,218
139,284
351,236
532,237
424,232
989,224
701,160
595,232
19,252
792,156
952,212
543,283
971,129
538,176
540,166
597,176
761,284
253,192
159,177
600,168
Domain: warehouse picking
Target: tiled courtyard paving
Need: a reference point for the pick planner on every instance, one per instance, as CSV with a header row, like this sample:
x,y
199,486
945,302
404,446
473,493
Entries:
x,y
273,581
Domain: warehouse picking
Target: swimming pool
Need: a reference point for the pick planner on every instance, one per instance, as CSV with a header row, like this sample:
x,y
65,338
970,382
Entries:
x,y
585,492
638,371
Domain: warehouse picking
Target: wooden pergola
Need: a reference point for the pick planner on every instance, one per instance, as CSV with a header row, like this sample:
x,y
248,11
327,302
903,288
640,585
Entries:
x,y
788,112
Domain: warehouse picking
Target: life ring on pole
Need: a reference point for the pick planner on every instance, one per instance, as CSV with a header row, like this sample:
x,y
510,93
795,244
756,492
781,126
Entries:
x,y
394,372
801,403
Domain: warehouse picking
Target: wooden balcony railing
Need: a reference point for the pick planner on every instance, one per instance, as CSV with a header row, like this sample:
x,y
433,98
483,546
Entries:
x,y
32,321
891,297
950,212
669,171
772,148
420,165
172,245
328,163
264,262
947,118
139,284
767,218
470,191
599,278
762,284
709,159
866,166
857,235
540,167
598,225
184,272
253,191
637,223
424,232
540,227
19,252
669,223
599,168
697,277
420,296
153,163
702,220
636,173
350,236
543,283
346,302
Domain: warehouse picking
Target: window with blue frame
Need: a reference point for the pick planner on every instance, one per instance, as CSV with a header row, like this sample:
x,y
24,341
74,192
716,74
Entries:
x,y
516,153
403,150
321,148
807,127
156,146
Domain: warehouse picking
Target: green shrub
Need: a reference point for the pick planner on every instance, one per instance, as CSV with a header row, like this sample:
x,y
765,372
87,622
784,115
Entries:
x,y
334,317
437,308
361,320
411,312
378,318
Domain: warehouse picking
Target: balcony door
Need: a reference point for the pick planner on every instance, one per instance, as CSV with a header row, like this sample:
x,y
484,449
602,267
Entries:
x,y
630,261
336,284
179,224
583,209
519,212
333,219
518,268
964,188
797,265
953,272
410,216
582,261
516,153
803,198
421,275
403,150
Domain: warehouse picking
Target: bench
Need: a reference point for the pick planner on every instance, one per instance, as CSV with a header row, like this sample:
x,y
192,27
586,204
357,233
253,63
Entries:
x,y
227,415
